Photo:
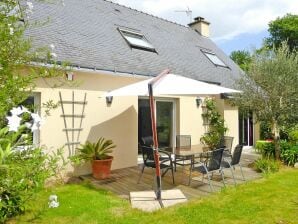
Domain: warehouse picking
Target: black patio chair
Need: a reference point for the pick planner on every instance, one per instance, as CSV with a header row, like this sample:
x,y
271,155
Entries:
x,y
211,164
227,143
226,163
166,163
147,141
183,142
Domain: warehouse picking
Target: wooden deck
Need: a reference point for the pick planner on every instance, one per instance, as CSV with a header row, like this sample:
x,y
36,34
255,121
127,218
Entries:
x,y
123,181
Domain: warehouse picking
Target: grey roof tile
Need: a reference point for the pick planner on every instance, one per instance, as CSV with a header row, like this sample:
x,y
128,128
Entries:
x,y
84,32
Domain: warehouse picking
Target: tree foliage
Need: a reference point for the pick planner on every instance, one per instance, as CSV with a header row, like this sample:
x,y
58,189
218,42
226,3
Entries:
x,y
270,88
23,171
17,55
242,58
283,29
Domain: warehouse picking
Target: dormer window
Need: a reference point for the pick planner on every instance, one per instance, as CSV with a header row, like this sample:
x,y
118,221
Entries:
x,y
136,40
214,59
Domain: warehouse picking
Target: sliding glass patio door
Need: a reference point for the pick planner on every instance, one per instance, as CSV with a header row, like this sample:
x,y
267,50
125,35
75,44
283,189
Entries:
x,y
165,121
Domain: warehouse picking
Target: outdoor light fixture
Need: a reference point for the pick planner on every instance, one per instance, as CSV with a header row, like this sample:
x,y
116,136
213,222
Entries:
x,y
69,76
198,101
109,99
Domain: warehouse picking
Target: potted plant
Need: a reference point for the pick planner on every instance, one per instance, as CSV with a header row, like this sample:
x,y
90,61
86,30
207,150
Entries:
x,y
98,154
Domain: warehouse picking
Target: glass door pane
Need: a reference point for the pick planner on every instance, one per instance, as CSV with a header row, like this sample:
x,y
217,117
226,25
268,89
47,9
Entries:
x,y
144,126
164,122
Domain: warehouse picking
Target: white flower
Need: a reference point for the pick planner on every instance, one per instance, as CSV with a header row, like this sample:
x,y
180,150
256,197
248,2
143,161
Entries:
x,y
37,121
30,6
28,125
18,110
54,55
52,46
24,109
13,122
53,201
53,204
11,31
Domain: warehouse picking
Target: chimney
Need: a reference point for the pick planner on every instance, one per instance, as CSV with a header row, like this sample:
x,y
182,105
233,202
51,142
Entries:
x,y
201,25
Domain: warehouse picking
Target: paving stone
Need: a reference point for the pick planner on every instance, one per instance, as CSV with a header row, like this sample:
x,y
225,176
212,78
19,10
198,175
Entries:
x,y
172,194
146,200
168,203
147,206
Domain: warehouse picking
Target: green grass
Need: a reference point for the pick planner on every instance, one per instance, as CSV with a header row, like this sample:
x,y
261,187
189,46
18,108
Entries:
x,y
273,199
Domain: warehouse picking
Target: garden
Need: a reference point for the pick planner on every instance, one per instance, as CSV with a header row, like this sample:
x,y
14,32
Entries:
x,y
30,175
273,199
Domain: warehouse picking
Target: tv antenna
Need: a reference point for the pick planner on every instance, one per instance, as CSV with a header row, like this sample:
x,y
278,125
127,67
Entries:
x,y
188,13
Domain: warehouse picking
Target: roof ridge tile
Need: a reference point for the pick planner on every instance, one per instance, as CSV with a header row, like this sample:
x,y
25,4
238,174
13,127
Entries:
x,y
157,17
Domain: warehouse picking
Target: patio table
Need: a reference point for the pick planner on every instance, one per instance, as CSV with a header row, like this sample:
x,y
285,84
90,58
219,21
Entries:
x,y
195,151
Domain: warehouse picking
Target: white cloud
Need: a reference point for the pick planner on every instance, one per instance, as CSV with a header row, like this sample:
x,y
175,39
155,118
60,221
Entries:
x,y
228,18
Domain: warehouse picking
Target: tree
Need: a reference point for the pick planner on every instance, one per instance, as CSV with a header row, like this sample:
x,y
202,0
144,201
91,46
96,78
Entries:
x,y
22,172
283,29
270,89
242,58
17,54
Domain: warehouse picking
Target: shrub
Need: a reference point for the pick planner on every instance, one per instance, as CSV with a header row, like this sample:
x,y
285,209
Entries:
x,y
285,145
266,166
293,136
266,148
216,125
290,155
23,172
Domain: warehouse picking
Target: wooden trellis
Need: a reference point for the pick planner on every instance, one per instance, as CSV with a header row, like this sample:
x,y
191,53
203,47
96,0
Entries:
x,y
72,132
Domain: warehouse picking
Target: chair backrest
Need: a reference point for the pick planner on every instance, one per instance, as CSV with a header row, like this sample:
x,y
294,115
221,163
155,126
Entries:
x,y
148,156
147,141
183,141
228,142
215,159
237,155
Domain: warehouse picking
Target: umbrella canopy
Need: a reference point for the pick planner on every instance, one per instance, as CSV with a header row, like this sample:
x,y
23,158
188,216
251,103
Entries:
x,y
167,84
171,85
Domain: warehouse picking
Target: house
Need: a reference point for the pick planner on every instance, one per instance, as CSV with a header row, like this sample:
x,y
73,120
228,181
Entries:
x,y
110,46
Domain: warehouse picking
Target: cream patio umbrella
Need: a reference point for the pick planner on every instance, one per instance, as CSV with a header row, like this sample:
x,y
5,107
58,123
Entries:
x,y
167,84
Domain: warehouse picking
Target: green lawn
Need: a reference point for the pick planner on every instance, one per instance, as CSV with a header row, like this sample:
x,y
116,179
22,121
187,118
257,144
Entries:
x,y
273,199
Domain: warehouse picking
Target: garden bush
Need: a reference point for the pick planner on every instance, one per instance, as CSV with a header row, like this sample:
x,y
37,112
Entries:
x,y
293,136
266,165
266,148
290,155
23,172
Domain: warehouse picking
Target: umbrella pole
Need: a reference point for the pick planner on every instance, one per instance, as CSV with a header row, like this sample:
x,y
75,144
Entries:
x,y
155,142
154,132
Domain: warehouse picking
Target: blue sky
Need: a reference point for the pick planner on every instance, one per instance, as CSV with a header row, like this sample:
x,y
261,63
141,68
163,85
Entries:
x,y
235,24
242,42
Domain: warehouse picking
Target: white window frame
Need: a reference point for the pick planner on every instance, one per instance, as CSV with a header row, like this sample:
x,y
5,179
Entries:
x,y
127,34
220,64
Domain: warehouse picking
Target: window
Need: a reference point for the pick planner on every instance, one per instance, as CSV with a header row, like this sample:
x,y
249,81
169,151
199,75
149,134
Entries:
x,y
137,40
32,103
214,59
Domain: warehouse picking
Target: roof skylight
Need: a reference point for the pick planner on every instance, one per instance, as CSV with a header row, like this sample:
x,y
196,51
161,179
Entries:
x,y
136,40
214,59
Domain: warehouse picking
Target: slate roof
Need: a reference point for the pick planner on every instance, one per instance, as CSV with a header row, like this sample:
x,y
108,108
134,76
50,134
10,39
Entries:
x,y
85,33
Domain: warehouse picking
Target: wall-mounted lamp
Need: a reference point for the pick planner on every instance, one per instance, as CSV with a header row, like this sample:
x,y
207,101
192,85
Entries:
x,y
198,101
69,76
109,99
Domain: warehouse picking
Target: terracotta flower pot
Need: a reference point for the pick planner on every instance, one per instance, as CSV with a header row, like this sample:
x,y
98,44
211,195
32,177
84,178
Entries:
x,y
101,169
